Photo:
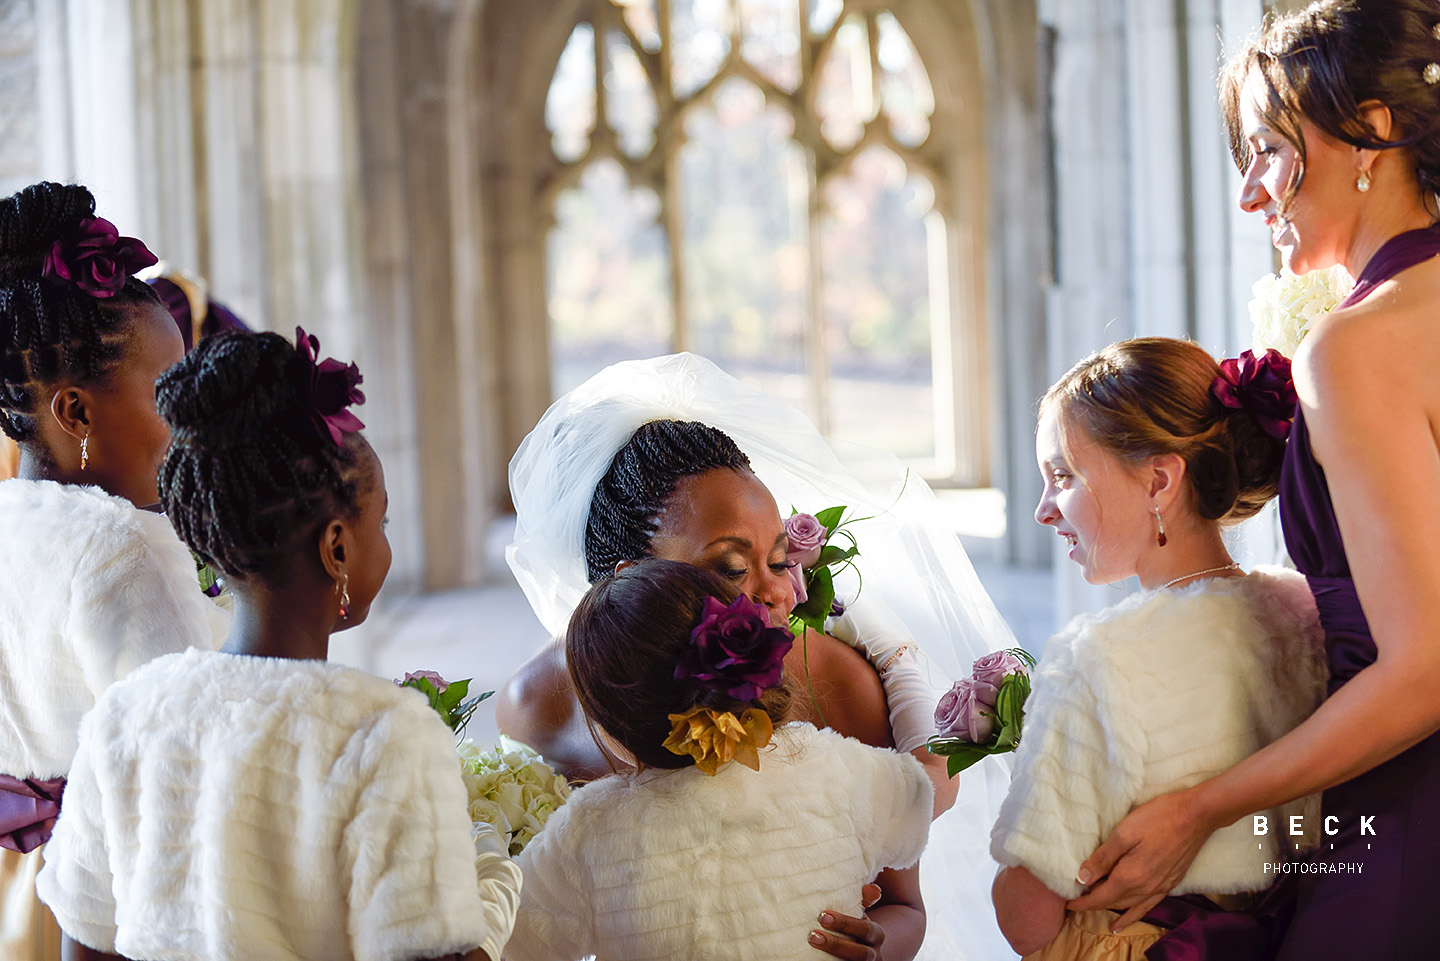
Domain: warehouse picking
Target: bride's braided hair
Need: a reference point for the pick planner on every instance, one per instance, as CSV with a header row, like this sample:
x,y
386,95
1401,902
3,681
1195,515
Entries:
x,y
51,330
246,475
631,496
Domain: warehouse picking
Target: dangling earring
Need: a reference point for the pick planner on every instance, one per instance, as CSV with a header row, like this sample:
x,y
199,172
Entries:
x,y
1362,182
85,452
344,587
1160,537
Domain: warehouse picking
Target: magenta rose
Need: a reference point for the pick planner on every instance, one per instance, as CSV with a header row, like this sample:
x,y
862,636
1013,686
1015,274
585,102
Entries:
x,y
1262,386
439,682
734,649
807,536
959,713
330,388
992,668
96,258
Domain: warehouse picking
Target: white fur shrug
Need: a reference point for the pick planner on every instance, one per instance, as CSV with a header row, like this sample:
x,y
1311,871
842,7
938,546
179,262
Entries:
x,y
677,864
224,807
90,588
1156,694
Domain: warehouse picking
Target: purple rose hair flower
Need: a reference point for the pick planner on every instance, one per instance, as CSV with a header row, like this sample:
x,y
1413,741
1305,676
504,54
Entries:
x,y
96,258
329,389
1261,387
735,650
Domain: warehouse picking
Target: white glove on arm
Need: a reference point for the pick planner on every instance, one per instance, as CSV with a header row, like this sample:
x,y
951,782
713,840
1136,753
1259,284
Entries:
x,y
499,879
874,630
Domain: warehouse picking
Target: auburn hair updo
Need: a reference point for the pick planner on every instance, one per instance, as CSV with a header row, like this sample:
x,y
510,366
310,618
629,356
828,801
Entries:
x,y
1150,397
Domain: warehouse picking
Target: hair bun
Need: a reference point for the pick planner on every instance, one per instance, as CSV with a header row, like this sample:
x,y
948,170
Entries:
x,y
234,386
33,219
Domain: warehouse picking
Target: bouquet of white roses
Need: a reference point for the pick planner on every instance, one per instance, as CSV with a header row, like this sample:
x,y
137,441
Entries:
x,y
511,788
1286,306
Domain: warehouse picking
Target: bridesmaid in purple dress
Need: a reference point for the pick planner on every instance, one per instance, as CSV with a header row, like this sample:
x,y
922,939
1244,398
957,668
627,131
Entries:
x,y
1334,116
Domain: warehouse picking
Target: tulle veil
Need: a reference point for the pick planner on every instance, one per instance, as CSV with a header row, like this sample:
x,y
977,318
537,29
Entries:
x,y
908,561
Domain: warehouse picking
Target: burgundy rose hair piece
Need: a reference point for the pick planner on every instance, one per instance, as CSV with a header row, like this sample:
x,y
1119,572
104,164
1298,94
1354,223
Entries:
x,y
1263,387
96,258
735,650
328,390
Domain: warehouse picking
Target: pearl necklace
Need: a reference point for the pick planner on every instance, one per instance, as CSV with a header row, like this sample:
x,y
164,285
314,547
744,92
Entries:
x,y
1186,577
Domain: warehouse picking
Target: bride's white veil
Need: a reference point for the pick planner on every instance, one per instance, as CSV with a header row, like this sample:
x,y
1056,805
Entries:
x,y
908,560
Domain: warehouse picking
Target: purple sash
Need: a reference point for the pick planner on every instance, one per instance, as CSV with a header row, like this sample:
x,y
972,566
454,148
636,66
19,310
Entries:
x,y
1198,929
28,810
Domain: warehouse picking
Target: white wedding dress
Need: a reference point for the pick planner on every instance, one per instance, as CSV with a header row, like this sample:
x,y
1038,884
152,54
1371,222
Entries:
x,y
907,561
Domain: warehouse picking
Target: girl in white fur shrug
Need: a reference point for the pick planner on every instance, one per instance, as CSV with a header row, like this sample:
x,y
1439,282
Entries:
x,y
91,586
670,861
1146,449
258,801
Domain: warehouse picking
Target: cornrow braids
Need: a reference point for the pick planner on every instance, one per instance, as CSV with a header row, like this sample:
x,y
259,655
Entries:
x,y
51,329
247,473
631,496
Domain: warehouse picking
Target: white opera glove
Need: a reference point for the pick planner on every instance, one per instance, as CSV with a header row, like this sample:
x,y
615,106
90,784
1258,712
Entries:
x,y
499,879
874,630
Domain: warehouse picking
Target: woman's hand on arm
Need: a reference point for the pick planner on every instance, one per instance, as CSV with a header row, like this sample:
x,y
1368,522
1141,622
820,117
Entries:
x,y
891,930
1365,403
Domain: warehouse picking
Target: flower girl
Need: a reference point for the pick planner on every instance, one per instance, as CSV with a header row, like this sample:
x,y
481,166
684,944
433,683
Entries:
x,y
1147,448
91,584
259,801
717,845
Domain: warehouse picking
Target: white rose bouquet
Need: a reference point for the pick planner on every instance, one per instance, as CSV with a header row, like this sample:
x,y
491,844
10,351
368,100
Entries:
x,y
1286,306
511,788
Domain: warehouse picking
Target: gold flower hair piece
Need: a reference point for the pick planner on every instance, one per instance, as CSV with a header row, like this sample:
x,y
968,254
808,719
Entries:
x,y
715,738
1432,73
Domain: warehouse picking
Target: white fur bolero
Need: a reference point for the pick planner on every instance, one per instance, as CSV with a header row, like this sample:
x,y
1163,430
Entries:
x,y
90,588
678,864
225,807
1156,694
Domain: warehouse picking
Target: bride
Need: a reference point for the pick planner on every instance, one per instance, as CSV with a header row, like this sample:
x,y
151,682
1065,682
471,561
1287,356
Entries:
x,y
907,564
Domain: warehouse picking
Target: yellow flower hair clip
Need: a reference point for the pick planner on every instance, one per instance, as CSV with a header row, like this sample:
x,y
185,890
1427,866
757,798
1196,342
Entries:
x,y
714,738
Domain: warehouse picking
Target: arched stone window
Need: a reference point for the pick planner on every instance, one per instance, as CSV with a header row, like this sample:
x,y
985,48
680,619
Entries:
x,y
762,182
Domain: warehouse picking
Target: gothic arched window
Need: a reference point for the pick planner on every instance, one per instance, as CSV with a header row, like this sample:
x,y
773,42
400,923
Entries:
x,y
755,181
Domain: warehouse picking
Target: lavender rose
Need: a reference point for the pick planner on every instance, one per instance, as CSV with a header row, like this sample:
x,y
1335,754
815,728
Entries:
x,y
96,258
797,579
734,649
959,712
992,668
439,682
807,536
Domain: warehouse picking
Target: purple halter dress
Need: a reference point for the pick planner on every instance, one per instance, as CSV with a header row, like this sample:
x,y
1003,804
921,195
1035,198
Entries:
x,y
1386,909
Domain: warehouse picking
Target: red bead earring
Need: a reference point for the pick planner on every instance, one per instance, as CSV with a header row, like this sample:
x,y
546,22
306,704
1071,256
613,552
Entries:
x,y
1160,537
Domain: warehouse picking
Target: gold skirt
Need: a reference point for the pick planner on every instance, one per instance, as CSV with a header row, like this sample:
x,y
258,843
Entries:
x,y
1086,936
28,931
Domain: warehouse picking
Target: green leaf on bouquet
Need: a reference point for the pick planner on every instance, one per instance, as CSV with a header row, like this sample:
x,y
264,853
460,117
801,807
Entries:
x,y
830,554
812,613
830,518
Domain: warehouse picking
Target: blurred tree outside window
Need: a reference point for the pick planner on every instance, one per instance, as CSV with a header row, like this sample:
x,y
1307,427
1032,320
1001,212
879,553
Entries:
x,y
747,179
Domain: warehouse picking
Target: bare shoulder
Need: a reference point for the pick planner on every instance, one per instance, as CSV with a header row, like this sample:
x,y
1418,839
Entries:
x,y
537,700
845,685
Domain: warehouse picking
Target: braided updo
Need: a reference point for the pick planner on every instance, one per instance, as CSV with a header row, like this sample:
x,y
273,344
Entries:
x,y
248,474
52,330
1149,397
1321,63
631,496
